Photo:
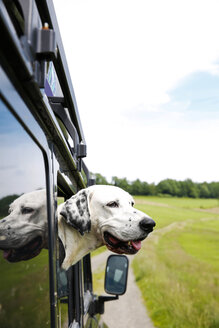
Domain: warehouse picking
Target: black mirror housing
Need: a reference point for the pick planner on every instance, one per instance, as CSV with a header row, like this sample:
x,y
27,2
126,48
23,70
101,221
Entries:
x,y
116,274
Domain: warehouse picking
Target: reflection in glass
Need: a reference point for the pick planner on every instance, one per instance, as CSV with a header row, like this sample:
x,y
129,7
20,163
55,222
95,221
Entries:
x,y
24,272
23,233
21,166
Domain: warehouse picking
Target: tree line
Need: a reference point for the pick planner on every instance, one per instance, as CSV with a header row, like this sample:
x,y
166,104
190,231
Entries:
x,y
4,204
167,187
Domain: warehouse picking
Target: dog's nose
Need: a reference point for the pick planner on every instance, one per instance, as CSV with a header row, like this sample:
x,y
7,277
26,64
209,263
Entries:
x,y
147,224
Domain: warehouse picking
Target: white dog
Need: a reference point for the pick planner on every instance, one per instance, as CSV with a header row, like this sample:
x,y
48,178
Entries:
x,y
23,233
95,216
102,215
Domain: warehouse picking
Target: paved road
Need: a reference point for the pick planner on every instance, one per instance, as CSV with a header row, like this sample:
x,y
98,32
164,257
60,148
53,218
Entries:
x,y
129,310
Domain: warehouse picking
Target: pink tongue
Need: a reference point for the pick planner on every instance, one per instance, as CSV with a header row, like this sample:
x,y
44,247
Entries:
x,y
113,240
136,244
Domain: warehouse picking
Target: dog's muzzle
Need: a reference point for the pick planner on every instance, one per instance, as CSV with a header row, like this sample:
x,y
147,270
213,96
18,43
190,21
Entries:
x,y
132,246
121,247
24,253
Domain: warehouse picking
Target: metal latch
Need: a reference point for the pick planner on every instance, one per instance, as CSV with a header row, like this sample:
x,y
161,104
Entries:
x,y
81,150
45,43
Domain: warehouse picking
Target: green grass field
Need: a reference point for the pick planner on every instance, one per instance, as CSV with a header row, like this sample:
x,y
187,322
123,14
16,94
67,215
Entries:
x,y
177,269
24,292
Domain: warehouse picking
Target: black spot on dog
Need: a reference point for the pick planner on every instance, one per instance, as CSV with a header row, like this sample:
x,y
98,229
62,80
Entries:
x,y
80,208
88,225
76,217
81,212
84,194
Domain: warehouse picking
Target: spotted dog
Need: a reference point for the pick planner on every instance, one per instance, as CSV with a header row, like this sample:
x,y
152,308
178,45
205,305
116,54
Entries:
x,y
101,215
95,216
24,233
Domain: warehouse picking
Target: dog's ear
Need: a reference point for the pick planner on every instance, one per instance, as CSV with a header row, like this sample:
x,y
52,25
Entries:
x,y
76,211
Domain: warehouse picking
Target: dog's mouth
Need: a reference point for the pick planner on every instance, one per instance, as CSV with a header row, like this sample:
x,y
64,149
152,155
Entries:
x,y
27,252
121,247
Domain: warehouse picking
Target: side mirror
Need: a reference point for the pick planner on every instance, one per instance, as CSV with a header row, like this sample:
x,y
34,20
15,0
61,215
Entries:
x,y
116,274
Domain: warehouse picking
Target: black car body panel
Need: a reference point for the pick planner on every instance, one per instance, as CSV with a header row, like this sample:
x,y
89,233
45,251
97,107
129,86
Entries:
x,y
42,146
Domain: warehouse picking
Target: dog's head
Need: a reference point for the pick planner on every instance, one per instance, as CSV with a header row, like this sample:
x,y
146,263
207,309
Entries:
x,y
23,233
108,212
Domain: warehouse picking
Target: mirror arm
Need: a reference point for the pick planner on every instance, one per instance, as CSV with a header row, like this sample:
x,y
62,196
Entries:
x,y
97,306
108,298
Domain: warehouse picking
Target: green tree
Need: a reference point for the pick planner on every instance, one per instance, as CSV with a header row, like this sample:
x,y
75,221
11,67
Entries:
x,y
214,189
191,189
100,179
152,189
121,183
204,190
186,188
165,187
4,204
136,187
146,189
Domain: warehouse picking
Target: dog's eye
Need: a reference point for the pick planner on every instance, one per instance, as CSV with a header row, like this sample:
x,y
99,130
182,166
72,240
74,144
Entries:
x,y
112,204
132,203
27,210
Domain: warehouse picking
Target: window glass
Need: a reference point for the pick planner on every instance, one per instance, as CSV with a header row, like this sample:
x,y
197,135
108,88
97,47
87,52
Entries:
x,y
24,272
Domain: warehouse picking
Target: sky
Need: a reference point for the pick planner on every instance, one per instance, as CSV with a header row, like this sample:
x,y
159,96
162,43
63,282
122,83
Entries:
x,y
146,80
24,171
